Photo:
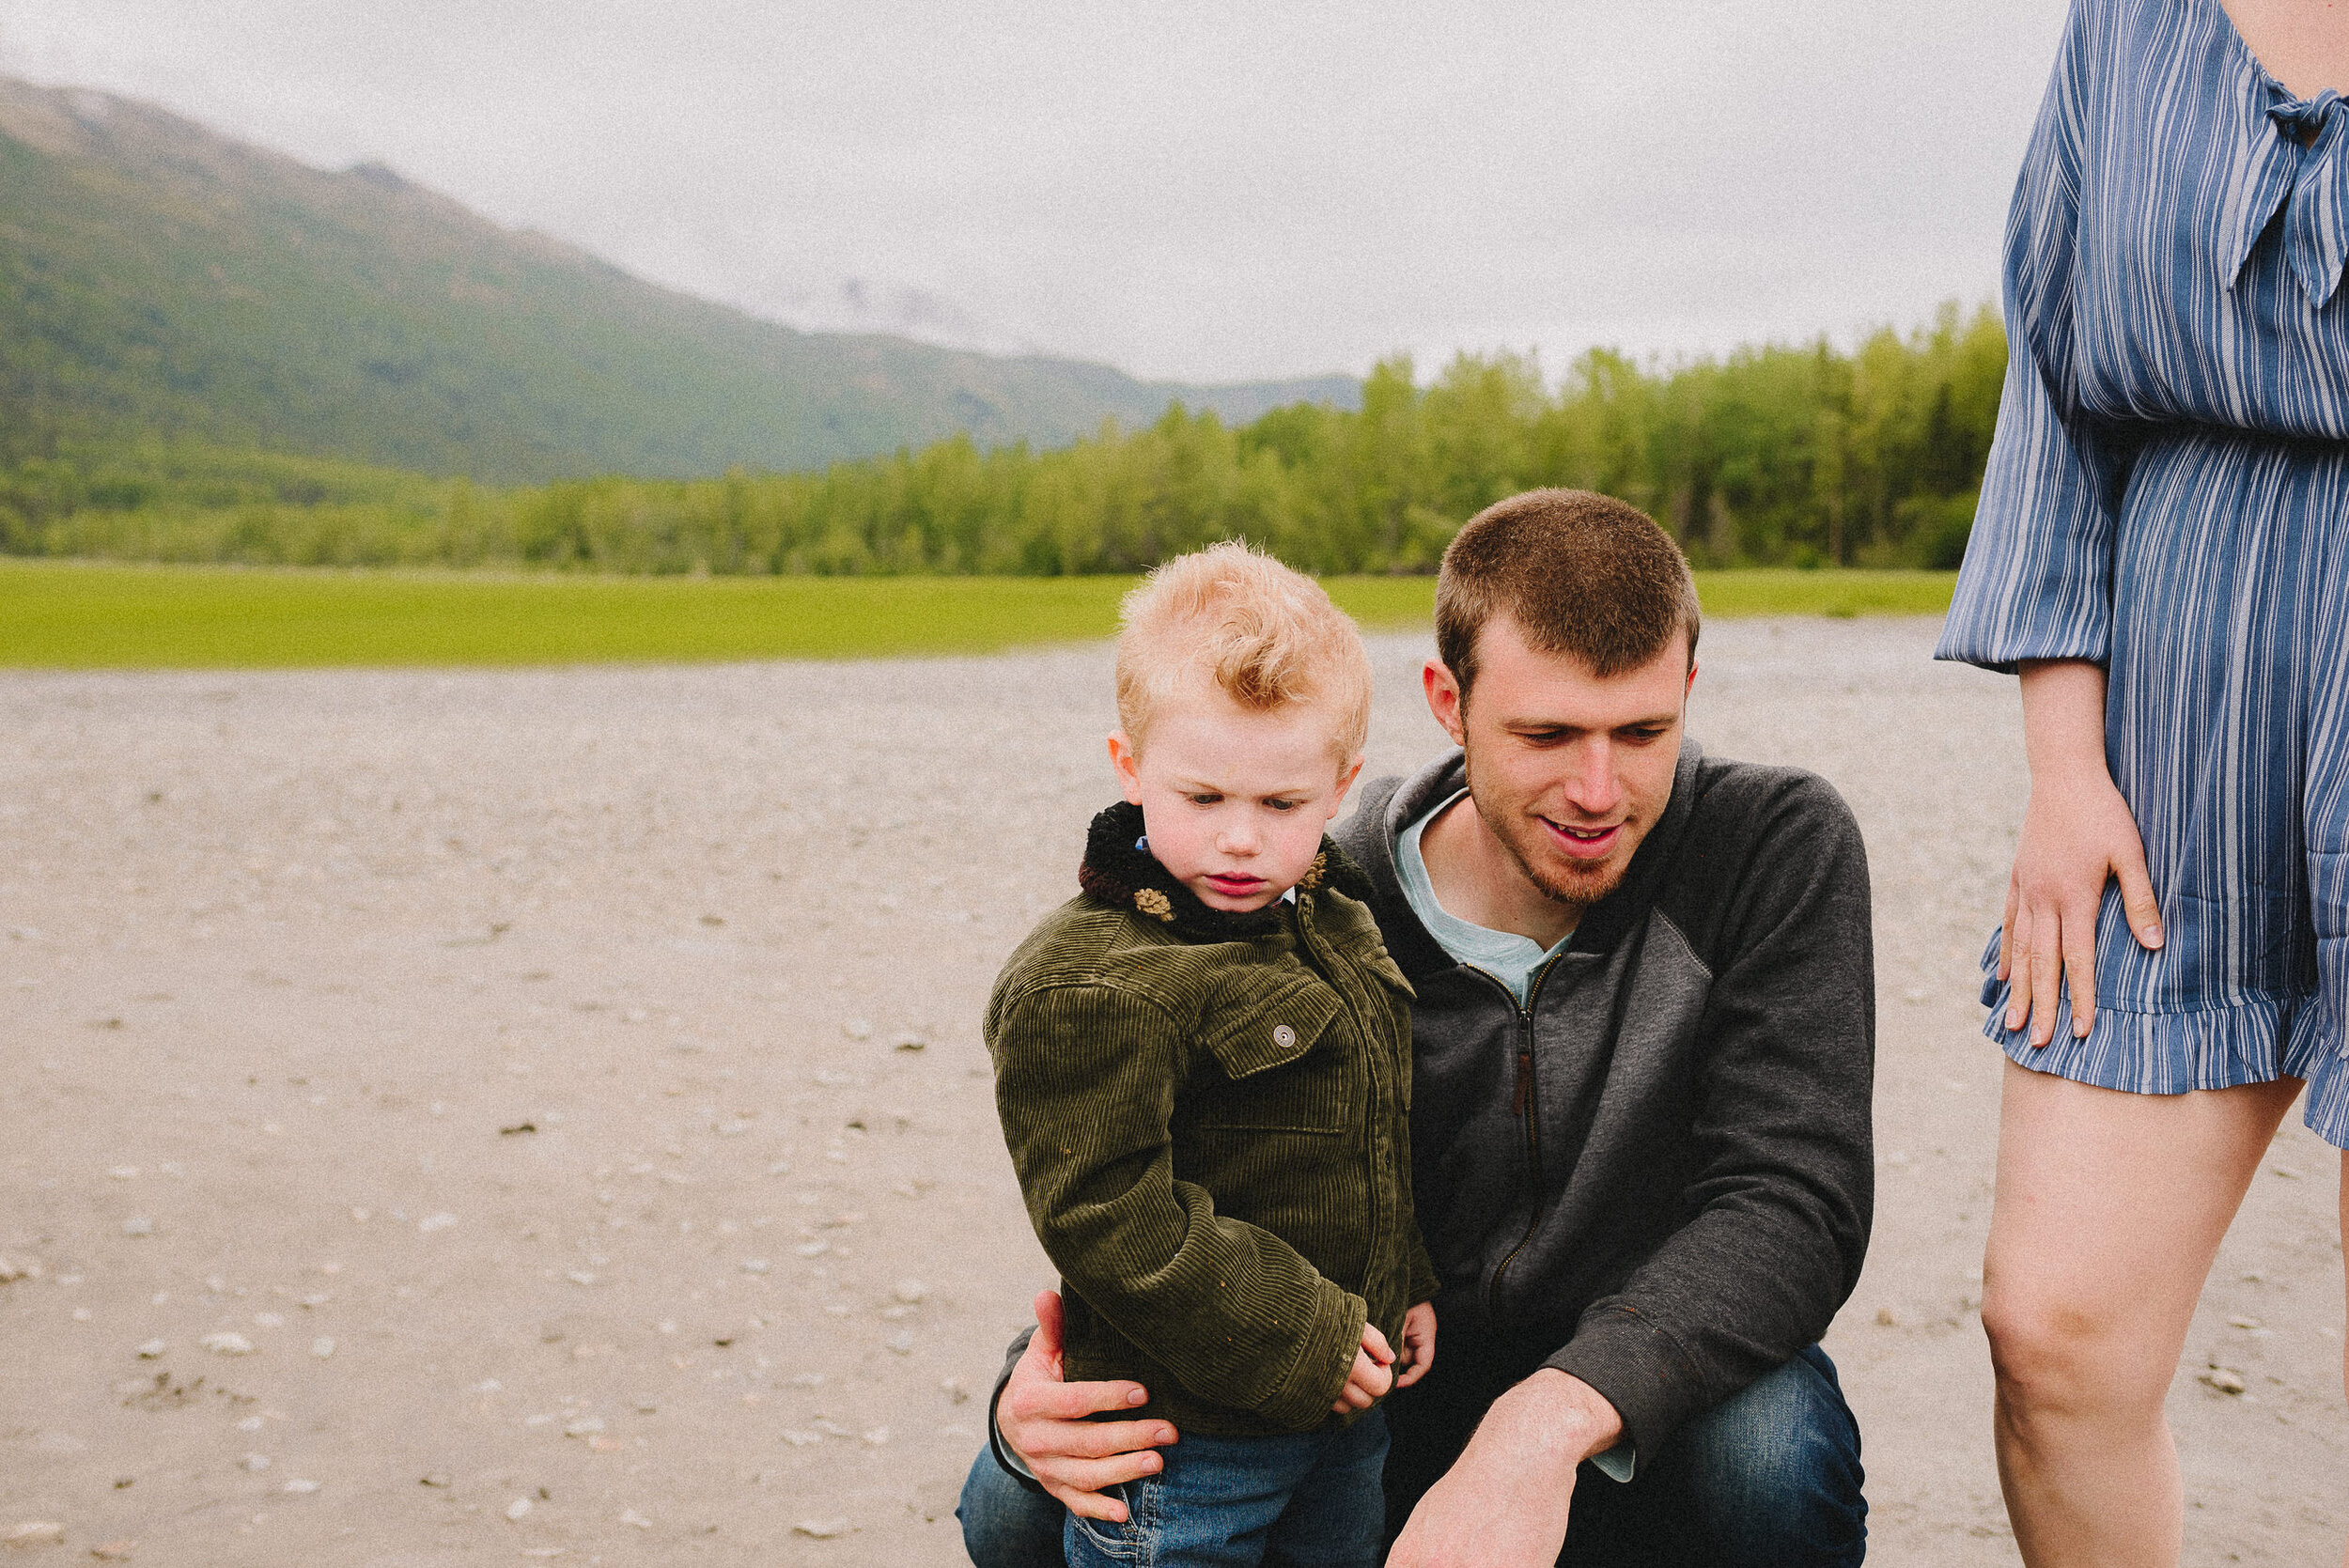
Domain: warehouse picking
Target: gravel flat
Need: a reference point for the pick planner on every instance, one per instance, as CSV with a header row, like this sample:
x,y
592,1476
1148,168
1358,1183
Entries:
x,y
557,1098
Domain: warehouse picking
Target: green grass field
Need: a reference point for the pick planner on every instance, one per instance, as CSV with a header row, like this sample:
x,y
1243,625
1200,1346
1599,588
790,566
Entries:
x,y
79,615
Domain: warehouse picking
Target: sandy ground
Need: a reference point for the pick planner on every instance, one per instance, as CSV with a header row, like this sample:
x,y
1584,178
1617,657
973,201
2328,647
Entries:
x,y
525,1066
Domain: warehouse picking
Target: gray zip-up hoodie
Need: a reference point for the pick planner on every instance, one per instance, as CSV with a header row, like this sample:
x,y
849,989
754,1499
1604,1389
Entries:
x,y
1658,1174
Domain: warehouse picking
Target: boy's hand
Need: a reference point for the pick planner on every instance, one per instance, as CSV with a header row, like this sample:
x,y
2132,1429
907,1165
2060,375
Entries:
x,y
1419,1344
1368,1383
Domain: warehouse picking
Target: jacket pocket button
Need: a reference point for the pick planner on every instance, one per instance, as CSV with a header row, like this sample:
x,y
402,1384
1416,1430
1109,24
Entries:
x,y
1284,1036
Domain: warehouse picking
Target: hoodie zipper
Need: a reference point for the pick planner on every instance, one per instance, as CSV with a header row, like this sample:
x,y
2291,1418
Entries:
x,y
1525,1104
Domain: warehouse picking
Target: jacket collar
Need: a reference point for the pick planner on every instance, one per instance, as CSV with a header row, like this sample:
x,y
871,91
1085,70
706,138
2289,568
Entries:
x,y
1118,871
1389,807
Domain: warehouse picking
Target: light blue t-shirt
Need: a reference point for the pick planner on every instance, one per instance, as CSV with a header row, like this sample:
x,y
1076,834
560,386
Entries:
x,y
1503,954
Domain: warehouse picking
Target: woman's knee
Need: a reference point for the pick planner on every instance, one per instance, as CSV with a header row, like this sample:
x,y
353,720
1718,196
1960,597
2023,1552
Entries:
x,y
2057,1352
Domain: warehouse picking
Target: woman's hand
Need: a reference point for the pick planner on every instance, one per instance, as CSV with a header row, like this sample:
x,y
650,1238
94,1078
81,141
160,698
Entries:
x,y
2078,833
1045,1421
1419,1344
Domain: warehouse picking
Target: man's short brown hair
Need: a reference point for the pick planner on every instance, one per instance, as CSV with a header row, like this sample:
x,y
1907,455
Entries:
x,y
1580,573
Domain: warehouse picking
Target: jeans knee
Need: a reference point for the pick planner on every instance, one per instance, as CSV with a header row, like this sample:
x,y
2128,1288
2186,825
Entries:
x,y
1777,1472
1004,1524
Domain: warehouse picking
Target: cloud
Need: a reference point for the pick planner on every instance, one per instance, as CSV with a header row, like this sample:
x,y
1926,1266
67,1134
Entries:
x,y
1211,192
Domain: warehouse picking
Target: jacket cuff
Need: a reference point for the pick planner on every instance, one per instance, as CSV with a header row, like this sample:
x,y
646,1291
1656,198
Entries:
x,y
1300,1401
995,1444
1638,1368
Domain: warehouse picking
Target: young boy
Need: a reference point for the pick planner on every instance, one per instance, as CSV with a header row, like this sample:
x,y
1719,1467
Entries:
x,y
1203,1064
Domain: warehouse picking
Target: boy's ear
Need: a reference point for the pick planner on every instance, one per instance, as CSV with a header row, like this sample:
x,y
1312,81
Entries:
x,y
1127,762
1347,775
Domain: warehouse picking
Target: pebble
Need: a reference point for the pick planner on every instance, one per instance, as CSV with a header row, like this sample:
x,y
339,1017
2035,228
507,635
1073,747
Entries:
x,y
2240,1322
910,1292
2225,1379
35,1532
580,1277
518,1507
1887,1318
138,1225
431,1223
879,1435
269,1320
857,1028
799,1440
227,1345
323,1347
629,1516
13,1269
438,1478
901,1343
302,1487
956,1389
152,1349
909,1043
822,1529
586,1426
113,1551
754,1266
813,1249
254,1461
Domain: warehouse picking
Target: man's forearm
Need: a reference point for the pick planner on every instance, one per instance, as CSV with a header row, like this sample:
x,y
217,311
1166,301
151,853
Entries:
x,y
1506,1501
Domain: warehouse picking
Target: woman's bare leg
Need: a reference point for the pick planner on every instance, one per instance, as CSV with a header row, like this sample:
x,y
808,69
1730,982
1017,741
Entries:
x,y
2109,1210
2344,1337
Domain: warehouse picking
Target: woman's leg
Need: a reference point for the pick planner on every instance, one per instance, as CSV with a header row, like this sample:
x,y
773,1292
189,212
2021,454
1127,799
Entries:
x,y
2109,1210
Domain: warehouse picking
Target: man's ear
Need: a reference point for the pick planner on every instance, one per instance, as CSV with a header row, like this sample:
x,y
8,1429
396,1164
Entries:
x,y
1126,763
1692,680
1443,698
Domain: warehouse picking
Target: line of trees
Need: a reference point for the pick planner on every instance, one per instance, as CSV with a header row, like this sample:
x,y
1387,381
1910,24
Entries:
x,y
1774,456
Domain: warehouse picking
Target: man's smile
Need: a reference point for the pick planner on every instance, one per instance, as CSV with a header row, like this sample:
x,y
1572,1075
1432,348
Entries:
x,y
1584,843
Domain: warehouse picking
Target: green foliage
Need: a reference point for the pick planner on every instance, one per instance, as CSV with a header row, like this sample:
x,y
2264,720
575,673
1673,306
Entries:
x,y
1774,457
161,282
79,615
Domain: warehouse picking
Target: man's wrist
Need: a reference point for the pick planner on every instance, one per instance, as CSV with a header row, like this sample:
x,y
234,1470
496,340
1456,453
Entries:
x,y
1577,1421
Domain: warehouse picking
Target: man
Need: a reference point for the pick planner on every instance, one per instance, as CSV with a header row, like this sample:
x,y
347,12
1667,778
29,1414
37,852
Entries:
x,y
1643,1038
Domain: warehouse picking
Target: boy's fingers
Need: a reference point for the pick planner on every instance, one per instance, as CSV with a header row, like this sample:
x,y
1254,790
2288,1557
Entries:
x,y
1375,1344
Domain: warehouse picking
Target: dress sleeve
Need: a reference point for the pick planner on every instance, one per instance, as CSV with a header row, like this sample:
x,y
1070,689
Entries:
x,y
2037,578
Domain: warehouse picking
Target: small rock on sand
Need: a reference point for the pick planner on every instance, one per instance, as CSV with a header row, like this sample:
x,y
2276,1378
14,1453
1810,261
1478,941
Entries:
x,y
227,1345
35,1532
822,1529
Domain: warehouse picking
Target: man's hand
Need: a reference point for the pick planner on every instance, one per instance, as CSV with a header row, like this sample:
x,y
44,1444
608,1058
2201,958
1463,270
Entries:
x,y
1419,1344
1505,1503
1043,1419
1368,1383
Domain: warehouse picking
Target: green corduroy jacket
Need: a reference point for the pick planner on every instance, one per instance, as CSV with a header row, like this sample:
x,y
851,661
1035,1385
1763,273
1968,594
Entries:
x,y
1208,1115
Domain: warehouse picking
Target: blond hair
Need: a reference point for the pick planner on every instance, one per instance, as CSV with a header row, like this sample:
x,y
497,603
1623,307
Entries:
x,y
1264,635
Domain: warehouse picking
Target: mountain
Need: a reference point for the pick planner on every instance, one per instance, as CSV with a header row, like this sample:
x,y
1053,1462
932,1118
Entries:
x,y
160,280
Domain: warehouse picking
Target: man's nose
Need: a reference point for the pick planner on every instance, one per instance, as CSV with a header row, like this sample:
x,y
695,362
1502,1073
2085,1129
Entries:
x,y
1595,788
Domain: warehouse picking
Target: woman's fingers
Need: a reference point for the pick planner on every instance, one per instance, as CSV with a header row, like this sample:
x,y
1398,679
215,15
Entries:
x,y
2006,928
2046,968
2015,964
2080,970
2137,895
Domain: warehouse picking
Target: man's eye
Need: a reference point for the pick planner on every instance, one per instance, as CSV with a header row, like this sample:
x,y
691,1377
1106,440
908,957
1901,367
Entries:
x,y
1640,736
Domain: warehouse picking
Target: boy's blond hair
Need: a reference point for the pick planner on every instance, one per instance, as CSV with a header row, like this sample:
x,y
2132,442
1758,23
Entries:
x,y
1267,636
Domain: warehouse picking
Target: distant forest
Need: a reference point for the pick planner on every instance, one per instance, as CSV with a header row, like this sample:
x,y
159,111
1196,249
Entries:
x,y
1775,456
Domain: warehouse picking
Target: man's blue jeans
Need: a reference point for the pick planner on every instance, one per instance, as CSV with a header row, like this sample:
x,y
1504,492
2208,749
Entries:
x,y
1769,1479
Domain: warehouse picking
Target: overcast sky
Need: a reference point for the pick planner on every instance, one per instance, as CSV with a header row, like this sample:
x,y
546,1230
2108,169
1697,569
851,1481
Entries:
x,y
1208,190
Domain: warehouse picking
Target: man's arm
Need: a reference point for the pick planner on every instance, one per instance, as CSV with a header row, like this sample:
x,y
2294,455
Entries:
x,y
1780,1201
1505,1503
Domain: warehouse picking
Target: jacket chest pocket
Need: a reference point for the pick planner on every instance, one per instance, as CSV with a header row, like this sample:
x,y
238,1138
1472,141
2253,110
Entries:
x,y
1285,1065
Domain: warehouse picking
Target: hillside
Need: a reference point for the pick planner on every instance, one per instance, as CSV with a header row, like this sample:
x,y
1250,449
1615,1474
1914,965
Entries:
x,y
158,280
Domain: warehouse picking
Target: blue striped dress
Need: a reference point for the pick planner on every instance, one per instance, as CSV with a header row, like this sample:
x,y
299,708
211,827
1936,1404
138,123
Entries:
x,y
2168,494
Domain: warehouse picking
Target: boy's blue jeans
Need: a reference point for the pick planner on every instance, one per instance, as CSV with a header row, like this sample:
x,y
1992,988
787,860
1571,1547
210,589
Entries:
x,y
1769,1479
1310,1499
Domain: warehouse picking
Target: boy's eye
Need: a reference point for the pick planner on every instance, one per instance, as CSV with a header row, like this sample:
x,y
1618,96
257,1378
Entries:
x,y
1205,800
1281,805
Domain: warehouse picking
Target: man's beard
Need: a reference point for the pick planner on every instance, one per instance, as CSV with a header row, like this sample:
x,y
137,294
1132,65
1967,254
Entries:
x,y
1573,887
